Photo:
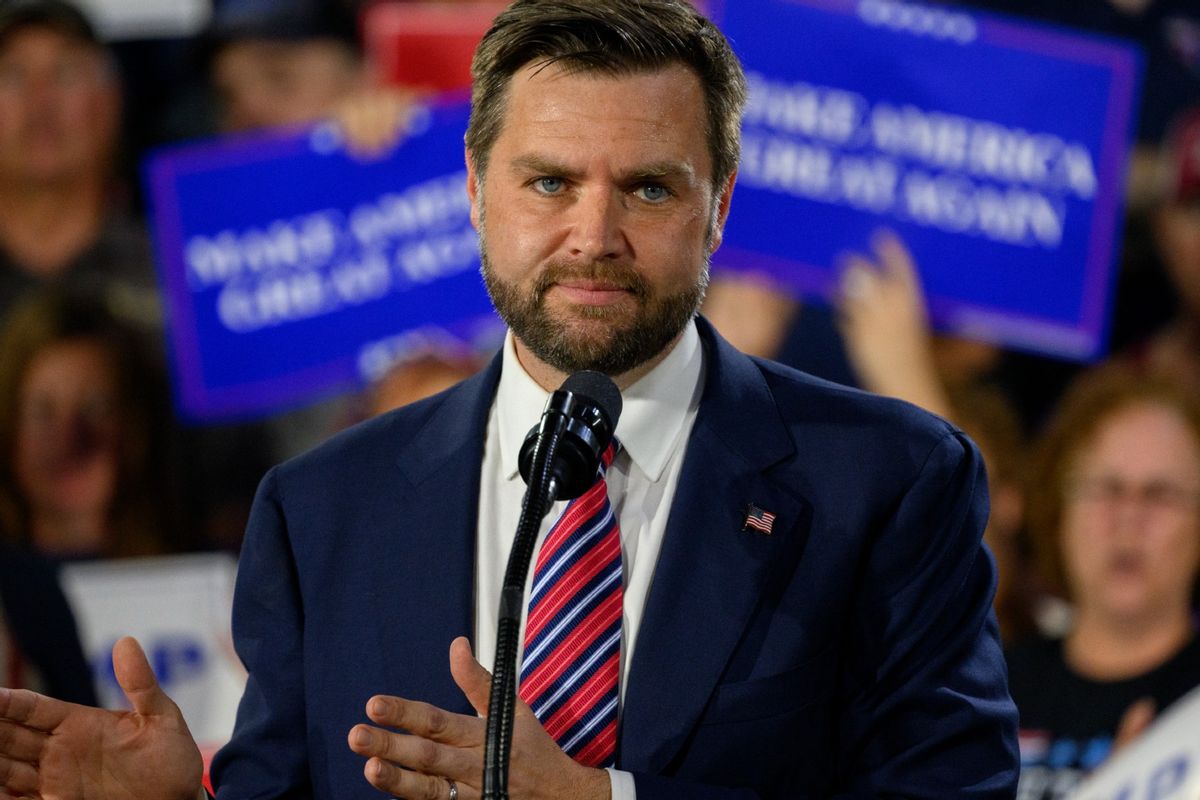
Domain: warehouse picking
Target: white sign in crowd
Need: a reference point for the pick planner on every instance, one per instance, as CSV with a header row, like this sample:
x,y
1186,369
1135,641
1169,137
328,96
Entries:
x,y
179,608
1162,764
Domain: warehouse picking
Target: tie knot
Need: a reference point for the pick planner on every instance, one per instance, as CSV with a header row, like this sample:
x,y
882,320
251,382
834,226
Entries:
x,y
610,452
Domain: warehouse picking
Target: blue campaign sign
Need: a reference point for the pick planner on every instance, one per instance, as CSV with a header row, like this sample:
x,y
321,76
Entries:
x,y
994,148
292,268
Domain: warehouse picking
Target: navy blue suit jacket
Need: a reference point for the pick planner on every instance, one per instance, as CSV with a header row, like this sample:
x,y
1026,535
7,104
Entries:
x,y
851,652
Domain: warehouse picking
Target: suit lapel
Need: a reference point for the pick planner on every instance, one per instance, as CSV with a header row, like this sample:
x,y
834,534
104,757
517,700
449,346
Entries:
x,y
710,573
432,562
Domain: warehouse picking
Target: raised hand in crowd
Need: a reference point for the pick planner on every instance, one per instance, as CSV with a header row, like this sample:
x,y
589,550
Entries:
x,y
750,312
54,749
374,120
883,321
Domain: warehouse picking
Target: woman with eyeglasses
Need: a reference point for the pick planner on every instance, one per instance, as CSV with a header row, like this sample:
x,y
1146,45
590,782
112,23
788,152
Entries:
x,y
1114,517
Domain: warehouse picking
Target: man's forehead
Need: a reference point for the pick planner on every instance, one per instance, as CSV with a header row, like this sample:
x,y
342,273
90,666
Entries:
x,y
658,113
551,94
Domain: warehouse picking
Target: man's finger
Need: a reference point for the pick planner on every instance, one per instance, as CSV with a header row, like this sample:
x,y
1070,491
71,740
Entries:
x,y
17,777
33,710
20,743
411,785
425,720
417,754
470,675
137,679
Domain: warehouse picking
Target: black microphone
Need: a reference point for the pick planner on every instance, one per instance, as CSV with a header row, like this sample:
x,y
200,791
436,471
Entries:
x,y
582,415
558,460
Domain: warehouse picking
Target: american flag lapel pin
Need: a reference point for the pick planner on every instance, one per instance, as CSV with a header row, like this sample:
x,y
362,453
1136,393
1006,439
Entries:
x,y
758,519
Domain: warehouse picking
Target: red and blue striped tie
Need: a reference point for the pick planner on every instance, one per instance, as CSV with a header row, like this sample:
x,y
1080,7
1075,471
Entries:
x,y
572,662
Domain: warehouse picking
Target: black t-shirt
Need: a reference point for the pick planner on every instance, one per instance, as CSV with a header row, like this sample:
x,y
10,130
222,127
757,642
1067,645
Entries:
x,y
1068,721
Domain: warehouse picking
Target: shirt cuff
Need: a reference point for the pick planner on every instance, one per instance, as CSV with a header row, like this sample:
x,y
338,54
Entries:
x,y
623,787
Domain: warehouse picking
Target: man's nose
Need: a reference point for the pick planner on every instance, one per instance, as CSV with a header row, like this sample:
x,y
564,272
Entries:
x,y
597,229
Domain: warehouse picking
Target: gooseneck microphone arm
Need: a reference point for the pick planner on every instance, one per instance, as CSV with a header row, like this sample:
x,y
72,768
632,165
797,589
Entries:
x,y
558,461
539,497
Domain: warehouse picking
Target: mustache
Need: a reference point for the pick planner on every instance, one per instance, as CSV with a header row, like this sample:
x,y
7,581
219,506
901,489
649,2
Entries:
x,y
615,274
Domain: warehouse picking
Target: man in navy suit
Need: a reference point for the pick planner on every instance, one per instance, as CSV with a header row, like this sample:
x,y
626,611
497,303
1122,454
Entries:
x,y
807,603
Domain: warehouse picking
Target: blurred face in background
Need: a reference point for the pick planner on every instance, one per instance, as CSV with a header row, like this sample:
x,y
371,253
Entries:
x,y
263,83
1131,517
67,460
59,107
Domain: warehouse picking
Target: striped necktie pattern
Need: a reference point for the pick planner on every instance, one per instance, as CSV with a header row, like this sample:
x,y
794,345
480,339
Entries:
x,y
571,666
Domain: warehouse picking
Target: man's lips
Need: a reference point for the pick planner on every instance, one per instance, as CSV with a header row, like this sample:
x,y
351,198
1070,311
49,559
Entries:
x,y
589,292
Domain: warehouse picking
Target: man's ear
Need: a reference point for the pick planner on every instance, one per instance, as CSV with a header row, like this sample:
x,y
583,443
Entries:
x,y
723,203
473,188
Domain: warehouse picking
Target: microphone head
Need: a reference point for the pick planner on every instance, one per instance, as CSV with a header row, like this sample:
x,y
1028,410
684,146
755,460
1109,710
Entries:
x,y
583,415
600,389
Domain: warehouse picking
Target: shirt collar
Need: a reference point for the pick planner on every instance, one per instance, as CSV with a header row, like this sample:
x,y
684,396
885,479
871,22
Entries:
x,y
652,415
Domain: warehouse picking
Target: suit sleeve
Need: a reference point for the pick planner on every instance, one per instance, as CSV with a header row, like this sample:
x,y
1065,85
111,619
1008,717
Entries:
x,y
266,757
923,709
927,709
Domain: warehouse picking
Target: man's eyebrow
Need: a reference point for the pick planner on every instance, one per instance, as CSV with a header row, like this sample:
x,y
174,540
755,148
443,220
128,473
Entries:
x,y
540,165
662,169
657,170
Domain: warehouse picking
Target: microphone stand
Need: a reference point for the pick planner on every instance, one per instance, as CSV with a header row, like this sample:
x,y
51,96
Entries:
x,y
540,495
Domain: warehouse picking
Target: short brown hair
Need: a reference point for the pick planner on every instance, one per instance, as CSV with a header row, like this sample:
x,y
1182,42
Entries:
x,y
611,37
1093,399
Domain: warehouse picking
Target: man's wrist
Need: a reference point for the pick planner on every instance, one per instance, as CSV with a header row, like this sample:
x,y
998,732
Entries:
x,y
600,786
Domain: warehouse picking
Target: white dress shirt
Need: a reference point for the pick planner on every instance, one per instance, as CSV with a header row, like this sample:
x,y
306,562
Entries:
x,y
653,430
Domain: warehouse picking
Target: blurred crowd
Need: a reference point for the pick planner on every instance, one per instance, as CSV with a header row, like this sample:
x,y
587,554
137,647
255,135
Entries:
x,y
1094,470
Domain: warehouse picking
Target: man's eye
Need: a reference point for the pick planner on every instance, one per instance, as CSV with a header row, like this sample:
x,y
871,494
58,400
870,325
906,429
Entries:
x,y
653,193
548,185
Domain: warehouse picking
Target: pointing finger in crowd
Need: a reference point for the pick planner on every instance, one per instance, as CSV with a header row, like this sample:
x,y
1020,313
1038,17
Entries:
x,y
894,257
859,280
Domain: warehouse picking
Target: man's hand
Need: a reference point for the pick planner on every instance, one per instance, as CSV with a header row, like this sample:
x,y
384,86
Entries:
x,y
440,747
54,750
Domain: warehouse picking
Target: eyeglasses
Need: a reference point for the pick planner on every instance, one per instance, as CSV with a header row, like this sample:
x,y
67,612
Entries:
x,y
1108,490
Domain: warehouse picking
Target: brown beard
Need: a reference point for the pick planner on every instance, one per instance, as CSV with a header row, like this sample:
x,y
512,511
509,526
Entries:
x,y
572,345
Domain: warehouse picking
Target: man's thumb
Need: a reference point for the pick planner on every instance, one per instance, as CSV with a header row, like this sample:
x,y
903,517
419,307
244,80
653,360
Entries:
x,y
469,674
137,679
